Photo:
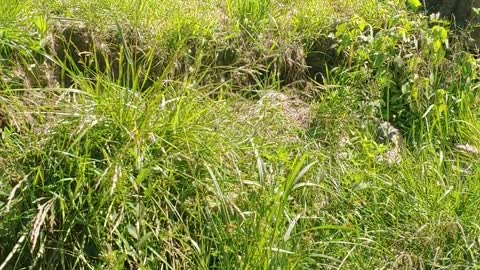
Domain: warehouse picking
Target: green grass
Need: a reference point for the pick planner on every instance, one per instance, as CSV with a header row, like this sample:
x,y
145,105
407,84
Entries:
x,y
235,135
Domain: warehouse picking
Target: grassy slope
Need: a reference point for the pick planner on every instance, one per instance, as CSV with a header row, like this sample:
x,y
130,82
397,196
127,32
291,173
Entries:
x,y
166,150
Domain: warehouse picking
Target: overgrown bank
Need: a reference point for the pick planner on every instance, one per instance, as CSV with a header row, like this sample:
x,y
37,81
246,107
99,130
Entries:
x,y
236,134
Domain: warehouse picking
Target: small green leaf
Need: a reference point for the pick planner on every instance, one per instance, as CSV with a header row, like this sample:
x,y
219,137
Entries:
x,y
439,33
437,45
476,11
414,4
362,24
341,29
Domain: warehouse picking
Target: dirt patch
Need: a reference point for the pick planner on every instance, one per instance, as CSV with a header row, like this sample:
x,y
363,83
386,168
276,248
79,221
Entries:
x,y
78,49
37,75
296,110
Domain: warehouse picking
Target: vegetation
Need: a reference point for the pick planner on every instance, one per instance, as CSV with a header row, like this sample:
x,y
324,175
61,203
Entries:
x,y
237,134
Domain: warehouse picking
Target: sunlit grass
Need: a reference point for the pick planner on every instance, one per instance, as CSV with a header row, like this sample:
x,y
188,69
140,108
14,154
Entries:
x,y
191,135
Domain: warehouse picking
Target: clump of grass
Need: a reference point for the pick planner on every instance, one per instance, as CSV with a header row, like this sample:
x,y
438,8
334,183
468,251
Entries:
x,y
173,144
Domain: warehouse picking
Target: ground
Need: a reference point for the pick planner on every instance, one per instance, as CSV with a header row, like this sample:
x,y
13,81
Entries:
x,y
246,134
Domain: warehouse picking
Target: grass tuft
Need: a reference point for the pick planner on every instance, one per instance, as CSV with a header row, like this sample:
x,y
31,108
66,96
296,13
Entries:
x,y
252,134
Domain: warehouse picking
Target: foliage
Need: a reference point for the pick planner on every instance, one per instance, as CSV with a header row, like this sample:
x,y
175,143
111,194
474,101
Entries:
x,y
189,135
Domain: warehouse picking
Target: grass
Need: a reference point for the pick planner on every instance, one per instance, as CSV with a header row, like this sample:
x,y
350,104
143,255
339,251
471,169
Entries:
x,y
236,135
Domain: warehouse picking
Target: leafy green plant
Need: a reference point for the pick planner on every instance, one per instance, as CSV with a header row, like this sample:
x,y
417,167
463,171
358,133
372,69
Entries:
x,y
251,15
176,144
414,4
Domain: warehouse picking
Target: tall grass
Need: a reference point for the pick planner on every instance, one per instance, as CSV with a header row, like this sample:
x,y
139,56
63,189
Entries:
x,y
172,139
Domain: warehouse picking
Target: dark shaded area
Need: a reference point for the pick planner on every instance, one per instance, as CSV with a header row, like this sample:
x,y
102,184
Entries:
x,y
322,55
458,10
76,48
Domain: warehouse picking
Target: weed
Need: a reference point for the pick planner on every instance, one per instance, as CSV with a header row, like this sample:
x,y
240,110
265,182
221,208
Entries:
x,y
236,134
